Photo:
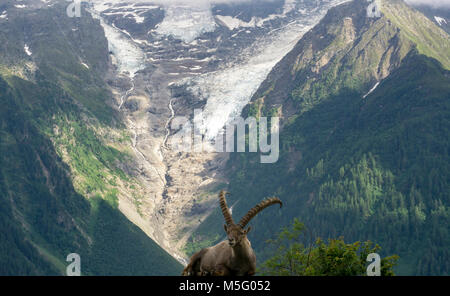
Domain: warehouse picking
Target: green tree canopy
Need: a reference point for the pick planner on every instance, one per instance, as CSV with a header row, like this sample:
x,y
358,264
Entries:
x,y
332,258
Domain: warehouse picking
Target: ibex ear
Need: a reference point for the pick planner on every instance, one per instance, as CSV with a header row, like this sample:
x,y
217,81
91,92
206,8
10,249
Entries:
x,y
225,227
248,229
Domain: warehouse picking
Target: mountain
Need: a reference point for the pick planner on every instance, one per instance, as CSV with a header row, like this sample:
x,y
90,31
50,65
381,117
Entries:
x,y
171,60
364,107
93,106
89,105
58,163
439,15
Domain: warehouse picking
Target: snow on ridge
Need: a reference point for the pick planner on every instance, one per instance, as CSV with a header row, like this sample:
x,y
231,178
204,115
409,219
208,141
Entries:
x,y
27,50
440,20
130,10
182,21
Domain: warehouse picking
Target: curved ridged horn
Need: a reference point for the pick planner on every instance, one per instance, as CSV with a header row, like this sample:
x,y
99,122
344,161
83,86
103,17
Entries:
x,y
225,210
258,208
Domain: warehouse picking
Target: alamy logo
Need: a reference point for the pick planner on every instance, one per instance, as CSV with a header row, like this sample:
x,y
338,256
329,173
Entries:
x,y
74,268
374,268
373,9
193,136
74,8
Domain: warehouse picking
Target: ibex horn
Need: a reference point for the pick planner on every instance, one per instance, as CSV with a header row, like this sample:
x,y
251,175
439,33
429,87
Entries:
x,y
225,210
258,208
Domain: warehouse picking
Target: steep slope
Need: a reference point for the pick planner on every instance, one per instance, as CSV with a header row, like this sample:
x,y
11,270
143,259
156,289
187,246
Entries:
x,y
44,218
60,172
350,50
364,144
440,15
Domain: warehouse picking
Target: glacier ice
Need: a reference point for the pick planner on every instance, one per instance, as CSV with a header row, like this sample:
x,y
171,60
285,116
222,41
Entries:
x,y
129,57
186,22
229,90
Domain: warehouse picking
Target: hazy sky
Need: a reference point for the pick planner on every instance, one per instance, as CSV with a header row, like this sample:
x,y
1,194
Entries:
x,y
182,1
434,3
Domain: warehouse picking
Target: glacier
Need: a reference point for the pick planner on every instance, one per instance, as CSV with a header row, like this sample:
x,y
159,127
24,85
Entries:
x,y
229,90
186,22
129,58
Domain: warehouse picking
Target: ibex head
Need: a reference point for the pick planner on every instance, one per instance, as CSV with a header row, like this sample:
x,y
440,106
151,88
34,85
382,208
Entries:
x,y
236,232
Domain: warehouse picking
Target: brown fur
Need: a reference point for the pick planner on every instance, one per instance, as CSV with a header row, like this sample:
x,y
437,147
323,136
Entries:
x,y
233,256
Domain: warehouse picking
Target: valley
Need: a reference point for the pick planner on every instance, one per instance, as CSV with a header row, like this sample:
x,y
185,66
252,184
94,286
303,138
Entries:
x,y
108,118
216,67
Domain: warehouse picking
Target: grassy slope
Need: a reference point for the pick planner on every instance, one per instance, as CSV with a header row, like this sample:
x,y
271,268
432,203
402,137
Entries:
x,y
430,39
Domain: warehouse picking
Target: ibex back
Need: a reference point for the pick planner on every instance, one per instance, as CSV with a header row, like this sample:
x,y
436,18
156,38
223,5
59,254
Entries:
x,y
233,256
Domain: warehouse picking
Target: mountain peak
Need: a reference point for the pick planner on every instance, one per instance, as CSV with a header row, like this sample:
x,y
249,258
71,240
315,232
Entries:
x,y
352,50
430,40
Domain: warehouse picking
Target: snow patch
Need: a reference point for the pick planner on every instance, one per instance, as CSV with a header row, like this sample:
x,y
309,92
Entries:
x,y
289,5
138,19
234,23
27,50
4,15
440,20
371,90
186,22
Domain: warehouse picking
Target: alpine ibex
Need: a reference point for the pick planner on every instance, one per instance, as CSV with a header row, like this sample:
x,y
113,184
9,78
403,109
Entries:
x,y
233,256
